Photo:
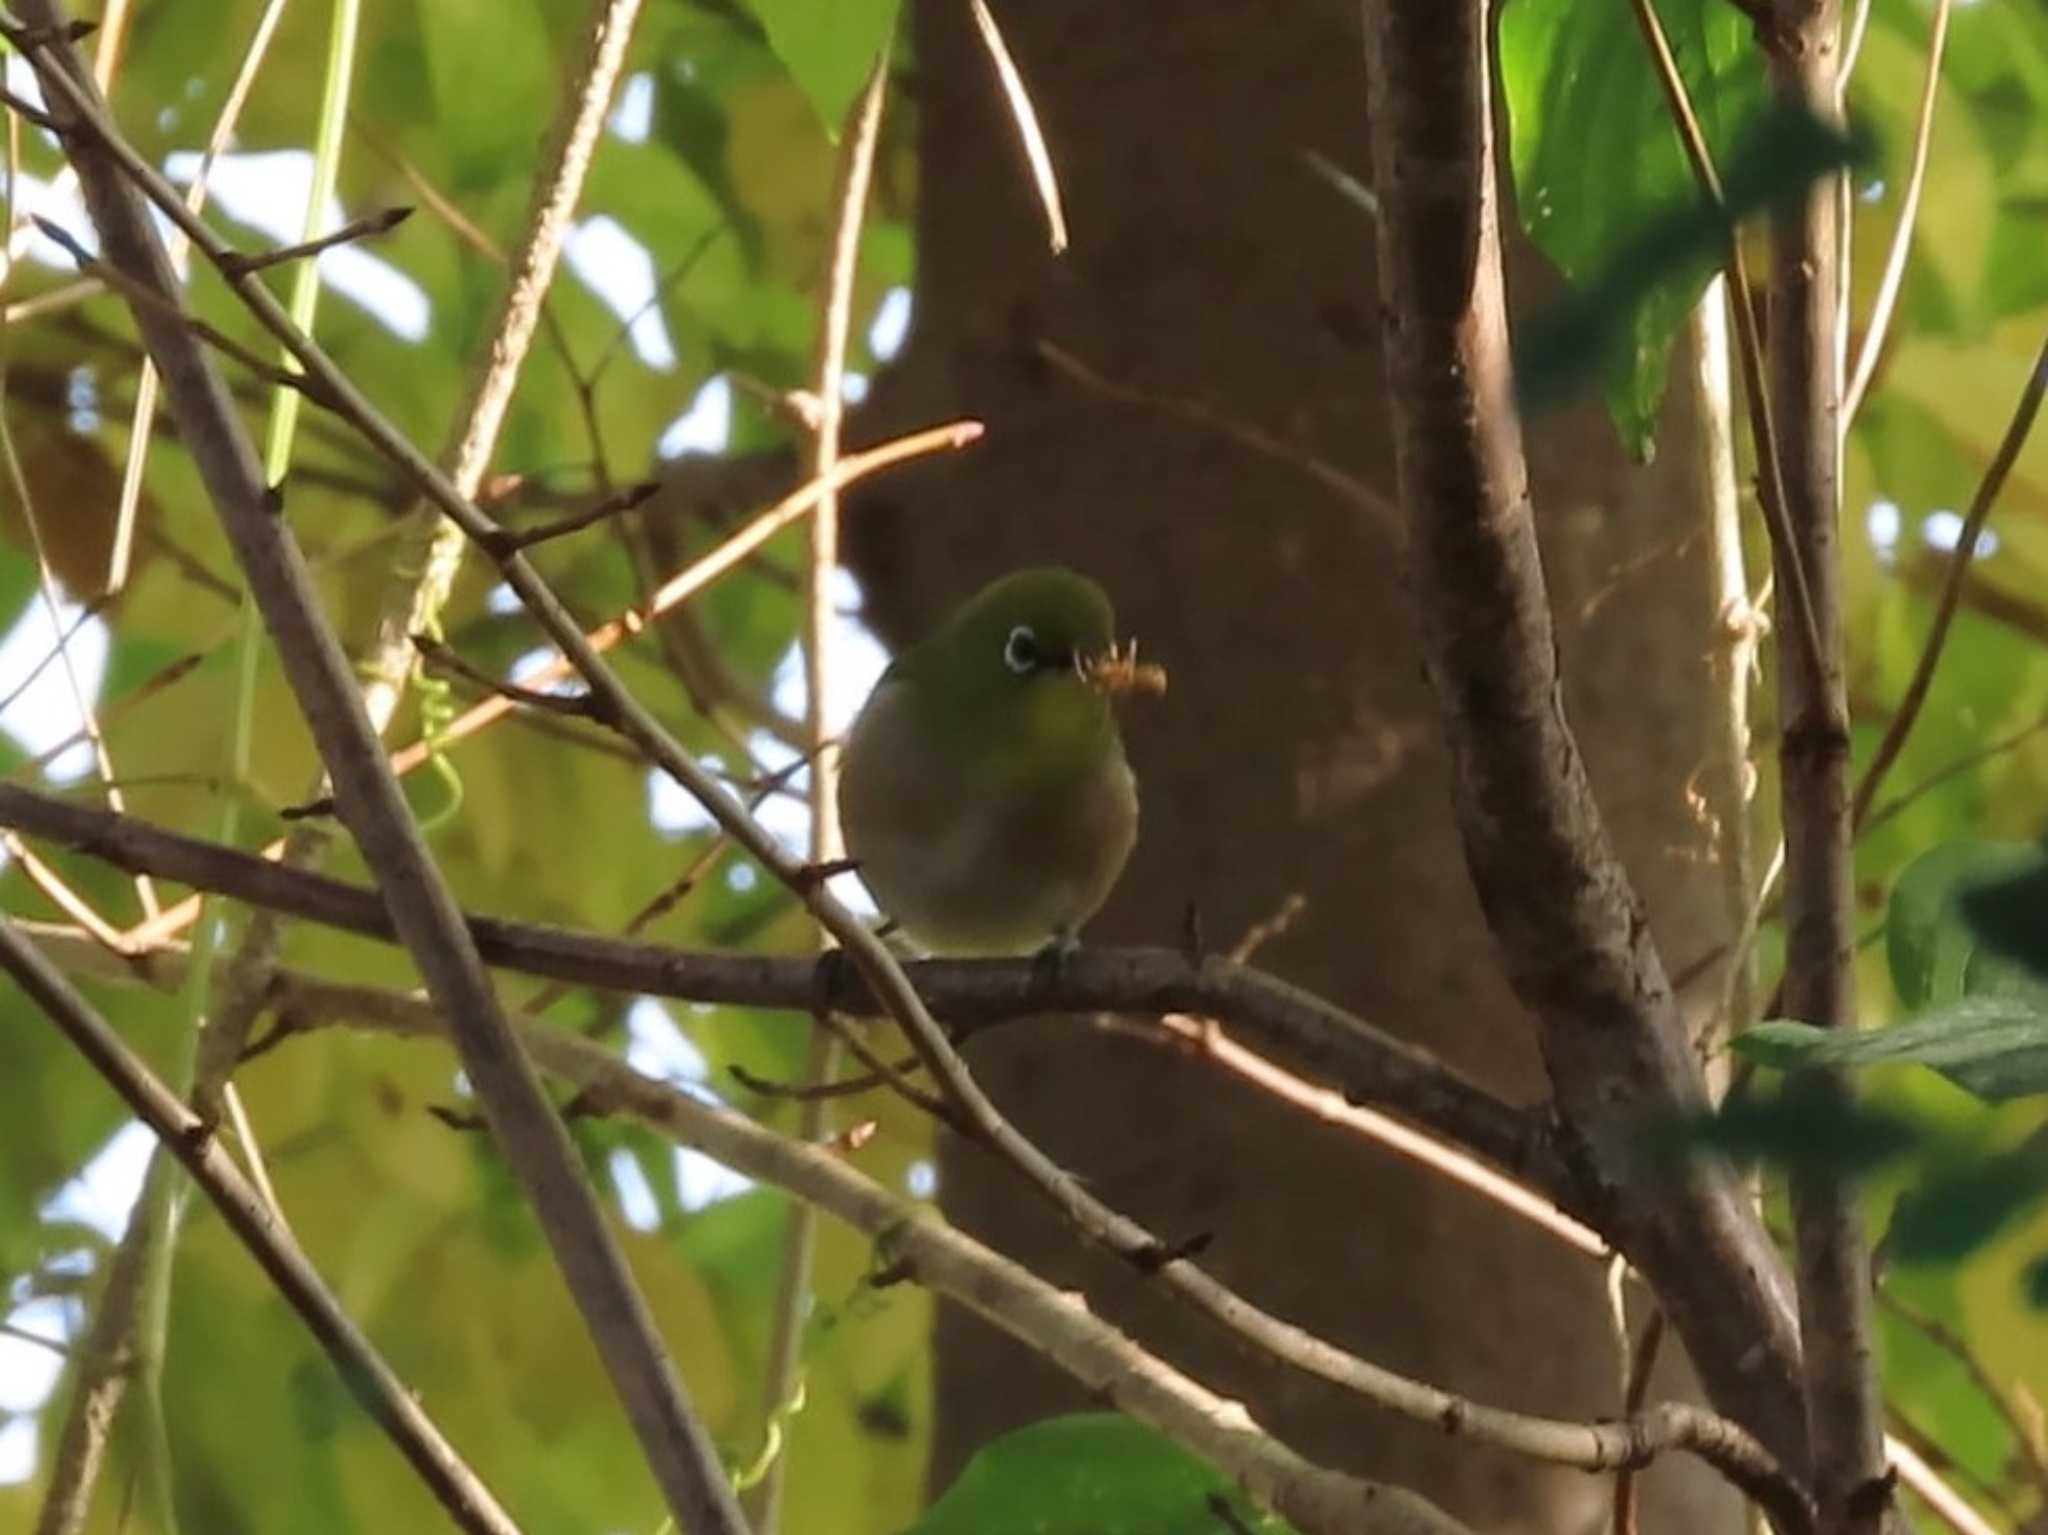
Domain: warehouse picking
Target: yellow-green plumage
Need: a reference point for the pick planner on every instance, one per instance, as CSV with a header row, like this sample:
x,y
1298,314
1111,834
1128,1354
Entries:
x,y
984,791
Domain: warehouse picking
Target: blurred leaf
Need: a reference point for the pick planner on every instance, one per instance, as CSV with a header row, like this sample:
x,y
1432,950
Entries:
x,y
829,45
1961,1204
1089,1474
1655,265
1934,938
1597,161
2010,915
1786,1130
2034,1281
1995,1047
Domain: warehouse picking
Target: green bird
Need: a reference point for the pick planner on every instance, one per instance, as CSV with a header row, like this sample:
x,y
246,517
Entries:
x,y
984,792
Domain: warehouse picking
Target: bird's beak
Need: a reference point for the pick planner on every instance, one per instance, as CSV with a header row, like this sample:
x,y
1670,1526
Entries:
x,y
1117,671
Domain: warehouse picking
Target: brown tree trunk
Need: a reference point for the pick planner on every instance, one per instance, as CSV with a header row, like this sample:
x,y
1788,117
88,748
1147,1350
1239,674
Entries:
x,y
1297,752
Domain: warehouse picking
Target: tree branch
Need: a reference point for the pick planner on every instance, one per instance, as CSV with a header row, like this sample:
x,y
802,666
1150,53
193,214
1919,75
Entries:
x,y
534,1142
851,179
1572,933
1843,1407
1371,1067
607,1084
1952,588
189,1139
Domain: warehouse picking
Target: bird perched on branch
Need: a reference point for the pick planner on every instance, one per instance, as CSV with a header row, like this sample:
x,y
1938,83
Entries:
x,y
984,793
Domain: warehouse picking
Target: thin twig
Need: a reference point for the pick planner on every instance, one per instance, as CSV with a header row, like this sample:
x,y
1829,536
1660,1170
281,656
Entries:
x,y
1026,118
852,177
439,657
1642,1360
2025,1447
1252,439
613,505
306,1002
363,1370
370,225
1893,280
415,606
82,702
679,588
59,894
1963,764
536,1146
1993,481
1205,1039
1749,340
732,1139
142,424
470,1004
167,675
213,336
1587,968
87,612
1367,1065
1844,1406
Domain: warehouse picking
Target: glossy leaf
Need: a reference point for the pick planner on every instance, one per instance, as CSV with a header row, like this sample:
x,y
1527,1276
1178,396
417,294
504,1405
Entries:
x,y
1091,1474
1995,1047
1597,162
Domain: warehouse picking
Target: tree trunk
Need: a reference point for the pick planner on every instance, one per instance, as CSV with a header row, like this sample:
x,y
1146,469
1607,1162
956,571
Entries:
x,y
1297,752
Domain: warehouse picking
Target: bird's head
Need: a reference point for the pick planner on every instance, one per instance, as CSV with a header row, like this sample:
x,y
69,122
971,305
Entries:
x,y
1027,665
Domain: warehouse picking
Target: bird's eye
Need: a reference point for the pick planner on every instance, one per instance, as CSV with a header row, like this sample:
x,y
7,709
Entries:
x,y
1021,653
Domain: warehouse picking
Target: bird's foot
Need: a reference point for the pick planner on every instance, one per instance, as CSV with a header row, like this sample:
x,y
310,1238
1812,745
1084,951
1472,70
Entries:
x,y
1049,964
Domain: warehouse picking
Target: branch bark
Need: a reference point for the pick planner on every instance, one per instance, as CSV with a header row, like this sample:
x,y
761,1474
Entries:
x,y
1369,1066
534,1142
1571,931
1844,1411
608,1085
191,1141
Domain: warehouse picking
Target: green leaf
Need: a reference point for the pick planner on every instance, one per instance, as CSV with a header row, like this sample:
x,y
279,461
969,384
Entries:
x,y
1959,1207
2035,1283
1621,317
1787,1130
1932,938
829,47
1597,162
1993,1046
1090,1474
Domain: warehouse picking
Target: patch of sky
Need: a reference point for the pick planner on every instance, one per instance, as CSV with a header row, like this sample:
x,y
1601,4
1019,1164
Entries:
x,y
103,1193
82,399
705,427
1943,529
45,712
657,1048
1882,522
268,192
673,810
57,201
619,270
637,1203
891,324
633,114
18,1438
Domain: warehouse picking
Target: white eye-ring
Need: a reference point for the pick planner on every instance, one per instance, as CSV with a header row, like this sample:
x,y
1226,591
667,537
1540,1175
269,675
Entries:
x,y
1020,651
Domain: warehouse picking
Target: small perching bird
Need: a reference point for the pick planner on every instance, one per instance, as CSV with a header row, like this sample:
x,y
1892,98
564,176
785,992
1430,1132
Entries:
x,y
984,793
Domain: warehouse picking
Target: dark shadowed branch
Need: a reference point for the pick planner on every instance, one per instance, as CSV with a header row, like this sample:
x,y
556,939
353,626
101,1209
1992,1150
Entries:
x,y
1572,932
